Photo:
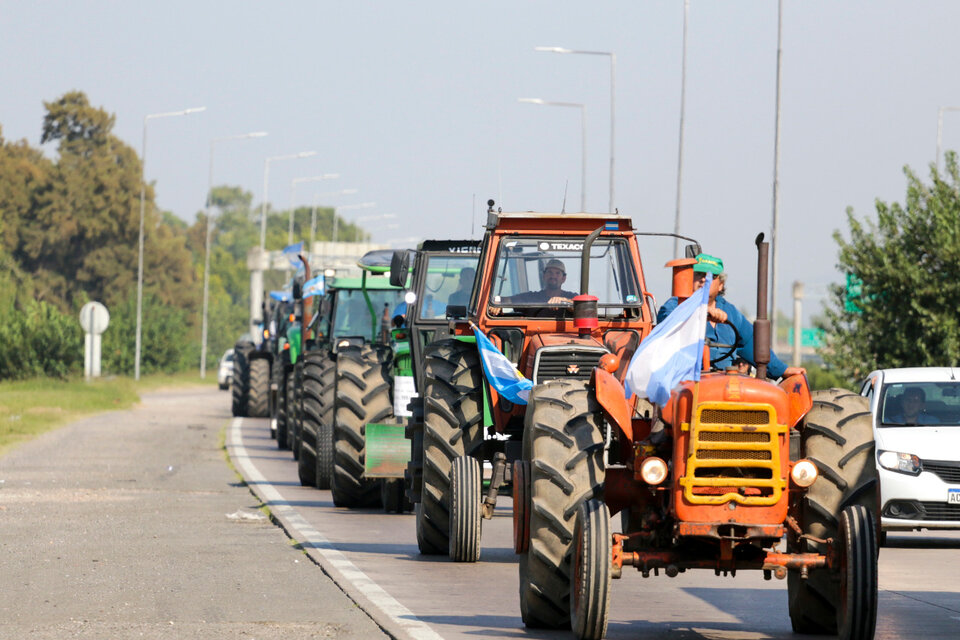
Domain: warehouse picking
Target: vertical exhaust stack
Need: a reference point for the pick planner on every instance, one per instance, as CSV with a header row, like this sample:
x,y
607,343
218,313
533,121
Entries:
x,y
761,328
585,317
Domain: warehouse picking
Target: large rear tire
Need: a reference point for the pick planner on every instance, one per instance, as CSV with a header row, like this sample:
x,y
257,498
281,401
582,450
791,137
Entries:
x,y
466,485
563,440
453,417
258,398
290,408
362,397
837,436
283,418
319,383
592,571
240,382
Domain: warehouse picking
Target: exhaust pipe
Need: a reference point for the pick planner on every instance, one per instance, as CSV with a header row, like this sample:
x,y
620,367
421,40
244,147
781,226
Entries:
x,y
761,328
585,318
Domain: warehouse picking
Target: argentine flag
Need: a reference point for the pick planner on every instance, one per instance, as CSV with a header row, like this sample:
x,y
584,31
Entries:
x,y
501,373
313,287
673,352
291,252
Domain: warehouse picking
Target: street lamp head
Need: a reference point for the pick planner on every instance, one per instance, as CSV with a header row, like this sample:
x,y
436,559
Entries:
x,y
306,154
530,100
553,49
194,110
257,134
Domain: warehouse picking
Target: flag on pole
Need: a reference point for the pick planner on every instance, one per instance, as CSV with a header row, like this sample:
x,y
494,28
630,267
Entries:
x,y
281,296
501,373
291,252
673,352
313,287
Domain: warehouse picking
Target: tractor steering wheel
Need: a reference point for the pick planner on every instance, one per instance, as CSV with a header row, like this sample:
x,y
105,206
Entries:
x,y
731,348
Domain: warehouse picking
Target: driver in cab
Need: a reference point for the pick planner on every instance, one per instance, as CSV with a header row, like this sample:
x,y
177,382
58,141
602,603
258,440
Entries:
x,y
720,315
554,275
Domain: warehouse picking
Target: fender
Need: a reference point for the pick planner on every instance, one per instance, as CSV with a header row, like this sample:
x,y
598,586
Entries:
x,y
611,397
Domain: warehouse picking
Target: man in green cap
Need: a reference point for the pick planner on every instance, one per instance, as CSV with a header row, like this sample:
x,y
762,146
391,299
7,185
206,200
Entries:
x,y
720,315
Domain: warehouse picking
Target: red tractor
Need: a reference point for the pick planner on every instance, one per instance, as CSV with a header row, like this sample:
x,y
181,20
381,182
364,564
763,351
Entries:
x,y
741,465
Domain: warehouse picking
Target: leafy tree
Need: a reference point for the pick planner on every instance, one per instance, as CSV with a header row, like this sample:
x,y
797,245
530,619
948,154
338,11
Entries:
x,y
905,313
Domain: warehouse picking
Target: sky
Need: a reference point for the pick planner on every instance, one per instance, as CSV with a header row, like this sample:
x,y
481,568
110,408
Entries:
x,y
415,105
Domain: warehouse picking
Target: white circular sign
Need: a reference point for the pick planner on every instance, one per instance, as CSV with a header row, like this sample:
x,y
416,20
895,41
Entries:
x,y
94,318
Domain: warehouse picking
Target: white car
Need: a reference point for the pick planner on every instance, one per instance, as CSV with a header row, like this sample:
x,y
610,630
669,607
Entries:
x,y
916,424
225,370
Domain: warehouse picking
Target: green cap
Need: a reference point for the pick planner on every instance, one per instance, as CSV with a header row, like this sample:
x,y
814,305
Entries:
x,y
708,264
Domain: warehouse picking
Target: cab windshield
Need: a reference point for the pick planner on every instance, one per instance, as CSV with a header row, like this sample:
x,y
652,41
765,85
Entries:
x,y
449,281
534,273
352,316
920,403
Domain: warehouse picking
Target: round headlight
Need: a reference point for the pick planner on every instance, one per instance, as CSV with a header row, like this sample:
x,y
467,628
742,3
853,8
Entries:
x,y
653,471
804,473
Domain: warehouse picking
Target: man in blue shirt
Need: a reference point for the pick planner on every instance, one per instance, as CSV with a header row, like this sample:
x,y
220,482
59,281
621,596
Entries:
x,y
720,312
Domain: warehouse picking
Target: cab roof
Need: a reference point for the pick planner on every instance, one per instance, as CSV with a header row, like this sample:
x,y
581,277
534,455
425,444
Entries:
x,y
567,222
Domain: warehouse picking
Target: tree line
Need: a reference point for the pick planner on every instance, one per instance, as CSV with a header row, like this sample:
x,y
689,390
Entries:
x,y
69,228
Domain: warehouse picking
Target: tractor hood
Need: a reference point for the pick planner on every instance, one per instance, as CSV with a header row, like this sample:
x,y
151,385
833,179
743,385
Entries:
x,y
555,356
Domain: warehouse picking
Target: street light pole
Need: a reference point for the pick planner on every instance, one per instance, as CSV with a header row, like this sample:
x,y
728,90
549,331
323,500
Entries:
x,y
683,103
256,274
940,131
206,255
583,140
143,195
313,213
293,196
613,81
362,205
774,240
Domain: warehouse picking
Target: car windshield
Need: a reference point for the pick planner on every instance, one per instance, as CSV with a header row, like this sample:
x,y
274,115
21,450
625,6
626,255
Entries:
x,y
536,272
449,281
920,403
353,314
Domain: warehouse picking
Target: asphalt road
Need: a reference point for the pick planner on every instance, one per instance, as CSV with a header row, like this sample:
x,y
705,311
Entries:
x,y
132,524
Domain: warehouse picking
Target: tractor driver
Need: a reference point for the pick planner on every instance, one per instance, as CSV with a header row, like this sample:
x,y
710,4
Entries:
x,y
719,312
554,275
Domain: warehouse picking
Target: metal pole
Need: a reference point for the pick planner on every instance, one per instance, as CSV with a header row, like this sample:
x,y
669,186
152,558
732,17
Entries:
x,y
313,221
583,158
613,102
683,105
206,273
143,189
775,236
797,321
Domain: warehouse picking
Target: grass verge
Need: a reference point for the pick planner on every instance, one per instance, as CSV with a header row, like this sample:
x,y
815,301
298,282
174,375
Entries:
x,y
31,407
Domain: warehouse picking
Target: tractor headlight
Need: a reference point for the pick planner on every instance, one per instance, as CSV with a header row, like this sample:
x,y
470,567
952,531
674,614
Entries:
x,y
804,473
653,471
900,462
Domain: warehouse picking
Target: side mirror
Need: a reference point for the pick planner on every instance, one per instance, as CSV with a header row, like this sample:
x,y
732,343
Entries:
x,y
456,311
692,250
297,290
399,268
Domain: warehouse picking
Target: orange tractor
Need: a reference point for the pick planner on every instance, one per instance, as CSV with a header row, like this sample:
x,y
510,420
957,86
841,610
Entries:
x,y
744,474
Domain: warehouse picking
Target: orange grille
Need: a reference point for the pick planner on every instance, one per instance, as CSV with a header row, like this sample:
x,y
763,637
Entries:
x,y
734,416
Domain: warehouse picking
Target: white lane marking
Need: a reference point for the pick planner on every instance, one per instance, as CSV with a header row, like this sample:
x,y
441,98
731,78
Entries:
x,y
397,613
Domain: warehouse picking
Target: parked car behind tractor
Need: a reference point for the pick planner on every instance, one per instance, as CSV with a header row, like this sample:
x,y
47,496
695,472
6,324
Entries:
x,y
743,463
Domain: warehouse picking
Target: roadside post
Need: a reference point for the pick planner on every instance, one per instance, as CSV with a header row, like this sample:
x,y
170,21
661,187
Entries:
x,y
94,319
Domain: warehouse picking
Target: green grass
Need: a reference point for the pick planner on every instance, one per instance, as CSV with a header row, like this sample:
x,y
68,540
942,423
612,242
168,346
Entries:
x,y
31,407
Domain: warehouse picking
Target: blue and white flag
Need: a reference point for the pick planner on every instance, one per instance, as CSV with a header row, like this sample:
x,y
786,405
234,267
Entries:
x,y
313,287
673,352
291,252
281,296
501,373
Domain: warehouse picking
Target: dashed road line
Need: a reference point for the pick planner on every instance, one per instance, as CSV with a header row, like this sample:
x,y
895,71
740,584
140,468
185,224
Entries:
x,y
344,572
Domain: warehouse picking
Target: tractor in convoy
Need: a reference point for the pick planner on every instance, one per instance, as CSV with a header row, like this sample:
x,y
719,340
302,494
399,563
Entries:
x,y
745,474
284,346
252,362
471,432
442,275
346,381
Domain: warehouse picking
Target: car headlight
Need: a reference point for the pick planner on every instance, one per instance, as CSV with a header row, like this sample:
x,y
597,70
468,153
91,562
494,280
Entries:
x,y
900,462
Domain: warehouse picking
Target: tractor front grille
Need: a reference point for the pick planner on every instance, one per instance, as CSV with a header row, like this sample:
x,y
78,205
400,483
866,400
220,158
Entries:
x,y
566,362
734,455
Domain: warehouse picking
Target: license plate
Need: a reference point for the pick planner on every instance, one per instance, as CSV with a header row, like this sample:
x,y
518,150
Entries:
x,y
953,496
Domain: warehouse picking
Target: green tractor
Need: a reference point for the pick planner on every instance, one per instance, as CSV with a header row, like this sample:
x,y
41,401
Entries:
x,y
285,346
253,359
443,273
346,381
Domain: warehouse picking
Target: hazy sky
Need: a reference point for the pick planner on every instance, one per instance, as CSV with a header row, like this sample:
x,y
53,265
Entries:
x,y
415,104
